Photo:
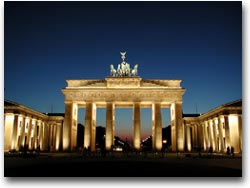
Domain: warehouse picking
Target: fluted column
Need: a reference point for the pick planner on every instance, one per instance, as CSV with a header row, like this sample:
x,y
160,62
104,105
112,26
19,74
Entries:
x,y
153,126
93,129
137,126
73,136
211,135
214,124
30,127
206,128
8,130
46,137
67,126
58,137
158,127
194,131
234,132
14,134
110,118
177,129
40,134
227,132
51,133
34,144
90,124
54,136
204,145
188,138
240,132
200,136
22,133
70,126
220,127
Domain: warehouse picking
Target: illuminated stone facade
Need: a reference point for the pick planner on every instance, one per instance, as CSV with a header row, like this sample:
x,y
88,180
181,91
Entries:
x,y
24,127
121,92
216,130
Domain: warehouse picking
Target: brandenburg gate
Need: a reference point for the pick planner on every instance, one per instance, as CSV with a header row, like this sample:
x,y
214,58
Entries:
x,y
122,89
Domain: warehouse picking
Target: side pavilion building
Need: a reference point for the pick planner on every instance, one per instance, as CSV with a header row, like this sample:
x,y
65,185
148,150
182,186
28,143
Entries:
x,y
216,130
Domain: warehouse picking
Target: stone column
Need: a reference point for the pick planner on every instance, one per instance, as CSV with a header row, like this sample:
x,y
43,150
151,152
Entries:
x,y
58,137
194,136
110,117
14,134
215,135
73,136
153,127
30,127
54,136
46,137
67,126
240,132
22,133
207,135
137,126
188,139
41,136
177,129
89,127
211,138
8,131
227,132
204,141
51,133
158,127
199,136
34,144
93,128
234,132
220,127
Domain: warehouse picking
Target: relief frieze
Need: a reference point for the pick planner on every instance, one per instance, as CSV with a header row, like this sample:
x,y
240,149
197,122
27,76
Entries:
x,y
124,95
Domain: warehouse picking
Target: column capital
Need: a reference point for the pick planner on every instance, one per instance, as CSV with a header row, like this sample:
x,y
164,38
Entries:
x,y
68,102
210,120
176,102
206,122
215,118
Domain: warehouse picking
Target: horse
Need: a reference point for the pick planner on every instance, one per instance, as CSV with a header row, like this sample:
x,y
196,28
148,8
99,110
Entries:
x,y
112,70
134,71
125,69
119,70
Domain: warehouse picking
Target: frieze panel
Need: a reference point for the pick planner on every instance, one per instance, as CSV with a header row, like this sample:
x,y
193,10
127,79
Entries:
x,y
127,82
124,96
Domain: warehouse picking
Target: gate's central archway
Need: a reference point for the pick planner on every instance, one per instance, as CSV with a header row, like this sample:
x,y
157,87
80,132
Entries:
x,y
121,91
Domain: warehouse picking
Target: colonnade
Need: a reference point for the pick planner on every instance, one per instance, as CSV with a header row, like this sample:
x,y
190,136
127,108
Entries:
x,y
223,132
24,131
215,134
70,125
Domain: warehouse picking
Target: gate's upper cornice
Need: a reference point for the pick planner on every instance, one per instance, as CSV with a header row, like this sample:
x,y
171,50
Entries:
x,y
123,82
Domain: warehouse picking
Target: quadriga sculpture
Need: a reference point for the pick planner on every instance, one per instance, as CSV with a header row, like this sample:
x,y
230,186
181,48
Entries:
x,y
134,71
112,70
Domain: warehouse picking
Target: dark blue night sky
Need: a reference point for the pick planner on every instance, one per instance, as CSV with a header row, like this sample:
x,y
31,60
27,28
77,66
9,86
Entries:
x,y
46,43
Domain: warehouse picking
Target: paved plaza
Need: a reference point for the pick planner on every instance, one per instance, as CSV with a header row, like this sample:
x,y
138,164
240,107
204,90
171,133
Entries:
x,y
122,165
